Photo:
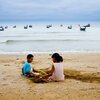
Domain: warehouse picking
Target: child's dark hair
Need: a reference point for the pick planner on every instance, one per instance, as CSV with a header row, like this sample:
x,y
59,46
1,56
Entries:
x,y
57,57
29,56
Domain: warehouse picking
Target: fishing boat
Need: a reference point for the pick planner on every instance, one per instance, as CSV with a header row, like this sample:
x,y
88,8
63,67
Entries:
x,y
1,28
26,27
48,26
14,26
61,25
70,27
88,25
6,27
30,26
82,28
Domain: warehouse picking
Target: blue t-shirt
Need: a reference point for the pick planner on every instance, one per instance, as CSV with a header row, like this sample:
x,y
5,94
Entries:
x,y
26,68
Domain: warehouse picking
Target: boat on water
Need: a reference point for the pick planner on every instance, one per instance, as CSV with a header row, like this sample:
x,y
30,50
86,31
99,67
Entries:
x,y
70,27
30,26
88,25
61,25
26,27
14,26
83,28
1,28
6,27
48,26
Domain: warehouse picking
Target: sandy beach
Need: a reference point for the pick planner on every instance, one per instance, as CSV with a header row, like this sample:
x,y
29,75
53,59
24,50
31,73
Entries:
x,y
82,78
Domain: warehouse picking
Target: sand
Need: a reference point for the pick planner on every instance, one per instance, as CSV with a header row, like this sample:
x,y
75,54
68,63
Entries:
x,y
82,78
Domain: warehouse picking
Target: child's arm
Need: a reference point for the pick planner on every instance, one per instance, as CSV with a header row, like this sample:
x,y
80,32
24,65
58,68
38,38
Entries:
x,y
34,70
51,71
32,74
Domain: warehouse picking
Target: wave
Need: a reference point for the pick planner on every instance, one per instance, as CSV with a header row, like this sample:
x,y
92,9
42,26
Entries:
x,y
38,40
44,40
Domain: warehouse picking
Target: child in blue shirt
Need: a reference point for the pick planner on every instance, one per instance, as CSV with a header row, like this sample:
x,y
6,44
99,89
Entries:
x,y
27,69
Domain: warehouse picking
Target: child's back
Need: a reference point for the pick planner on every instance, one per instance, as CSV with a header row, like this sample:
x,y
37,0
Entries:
x,y
58,73
57,68
26,68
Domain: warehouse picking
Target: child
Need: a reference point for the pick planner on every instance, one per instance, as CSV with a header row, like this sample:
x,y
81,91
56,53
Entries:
x,y
57,72
27,69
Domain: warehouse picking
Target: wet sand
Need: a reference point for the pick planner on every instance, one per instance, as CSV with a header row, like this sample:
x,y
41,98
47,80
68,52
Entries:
x,y
82,71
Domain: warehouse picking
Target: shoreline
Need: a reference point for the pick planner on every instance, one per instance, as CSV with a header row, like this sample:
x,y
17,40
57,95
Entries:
x,y
61,52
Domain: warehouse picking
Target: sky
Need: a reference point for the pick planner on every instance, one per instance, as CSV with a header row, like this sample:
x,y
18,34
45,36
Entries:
x,y
50,10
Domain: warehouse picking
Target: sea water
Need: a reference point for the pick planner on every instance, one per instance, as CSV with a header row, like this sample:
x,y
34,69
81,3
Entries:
x,y
54,39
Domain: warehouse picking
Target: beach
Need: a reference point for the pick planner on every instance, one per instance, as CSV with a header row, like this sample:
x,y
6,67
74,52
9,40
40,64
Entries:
x,y
61,41
82,78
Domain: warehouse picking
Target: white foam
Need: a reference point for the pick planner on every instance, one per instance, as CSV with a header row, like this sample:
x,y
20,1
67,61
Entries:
x,y
61,52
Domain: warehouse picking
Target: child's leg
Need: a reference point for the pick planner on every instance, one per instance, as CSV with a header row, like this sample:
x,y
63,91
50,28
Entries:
x,y
42,72
30,74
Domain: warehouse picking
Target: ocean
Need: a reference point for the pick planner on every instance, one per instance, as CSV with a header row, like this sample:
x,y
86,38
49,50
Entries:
x,y
57,38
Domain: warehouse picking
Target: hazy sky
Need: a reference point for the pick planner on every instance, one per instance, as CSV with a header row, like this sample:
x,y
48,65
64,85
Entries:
x,y
47,10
